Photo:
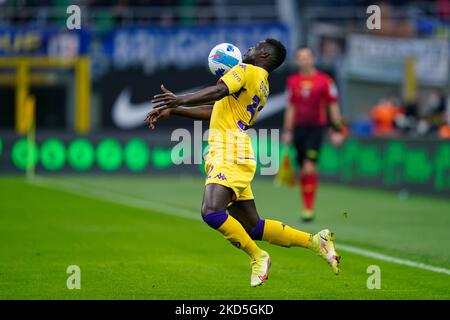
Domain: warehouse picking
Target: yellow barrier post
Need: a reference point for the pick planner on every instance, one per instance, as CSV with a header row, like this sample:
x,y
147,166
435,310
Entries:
x,y
22,87
29,124
83,93
22,79
410,81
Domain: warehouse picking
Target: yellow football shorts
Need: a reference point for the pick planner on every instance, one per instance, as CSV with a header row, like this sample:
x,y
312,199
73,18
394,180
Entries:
x,y
236,176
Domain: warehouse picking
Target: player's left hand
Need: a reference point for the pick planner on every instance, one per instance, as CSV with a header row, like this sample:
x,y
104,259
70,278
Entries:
x,y
155,115
166,100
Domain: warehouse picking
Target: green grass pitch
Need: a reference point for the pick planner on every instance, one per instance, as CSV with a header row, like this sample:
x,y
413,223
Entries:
x,y
142,238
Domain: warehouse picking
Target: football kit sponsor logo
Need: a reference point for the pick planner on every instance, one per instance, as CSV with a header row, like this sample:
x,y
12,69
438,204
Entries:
x,y
220,176
127,115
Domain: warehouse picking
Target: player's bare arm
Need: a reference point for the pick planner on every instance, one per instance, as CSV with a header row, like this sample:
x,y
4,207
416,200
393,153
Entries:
x,y
168,99
202,112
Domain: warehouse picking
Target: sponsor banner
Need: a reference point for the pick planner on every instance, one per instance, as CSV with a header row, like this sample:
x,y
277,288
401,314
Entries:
x,y
46,42
125,95
119,153
378,53
107,153
410,165
182,47
421,166
151,48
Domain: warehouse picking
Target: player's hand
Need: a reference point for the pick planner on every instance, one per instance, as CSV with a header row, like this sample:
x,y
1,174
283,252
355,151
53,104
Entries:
x,y
165,100
287,137
337,138
156,114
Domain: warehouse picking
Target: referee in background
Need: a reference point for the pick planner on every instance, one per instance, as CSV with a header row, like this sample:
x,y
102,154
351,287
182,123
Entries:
x,y
312,98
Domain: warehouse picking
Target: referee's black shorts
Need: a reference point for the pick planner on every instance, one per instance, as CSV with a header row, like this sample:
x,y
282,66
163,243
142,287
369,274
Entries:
x,y
307,142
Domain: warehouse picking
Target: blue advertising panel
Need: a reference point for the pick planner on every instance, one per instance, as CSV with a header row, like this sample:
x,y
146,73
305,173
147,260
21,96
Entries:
x,y
43,42
182,47
148,47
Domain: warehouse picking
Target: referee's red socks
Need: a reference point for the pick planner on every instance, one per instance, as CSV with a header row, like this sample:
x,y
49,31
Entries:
x,y
308,189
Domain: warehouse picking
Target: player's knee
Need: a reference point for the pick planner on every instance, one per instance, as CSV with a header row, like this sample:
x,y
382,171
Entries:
x,y
210,207
248,227
205,209
256,230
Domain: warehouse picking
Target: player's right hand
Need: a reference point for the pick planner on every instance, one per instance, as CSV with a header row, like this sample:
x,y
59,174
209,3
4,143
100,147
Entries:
x,y
166,100
153,116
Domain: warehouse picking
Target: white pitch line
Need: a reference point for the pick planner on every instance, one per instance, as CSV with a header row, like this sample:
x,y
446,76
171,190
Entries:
x,y
115,197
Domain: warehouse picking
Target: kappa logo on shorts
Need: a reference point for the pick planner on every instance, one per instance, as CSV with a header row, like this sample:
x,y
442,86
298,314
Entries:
x,y
221,176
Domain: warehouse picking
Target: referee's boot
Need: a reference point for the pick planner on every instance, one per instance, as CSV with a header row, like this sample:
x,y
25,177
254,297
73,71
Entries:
x,y
307,216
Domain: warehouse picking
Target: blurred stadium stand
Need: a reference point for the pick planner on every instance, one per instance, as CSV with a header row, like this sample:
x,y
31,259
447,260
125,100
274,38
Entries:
x,y
100,14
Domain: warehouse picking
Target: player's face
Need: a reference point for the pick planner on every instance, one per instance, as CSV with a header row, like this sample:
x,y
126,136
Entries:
x,y
252,53
305,59
249,56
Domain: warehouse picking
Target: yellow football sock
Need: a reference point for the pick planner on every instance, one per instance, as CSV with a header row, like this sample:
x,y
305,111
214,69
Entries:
x,y
234,232
278,233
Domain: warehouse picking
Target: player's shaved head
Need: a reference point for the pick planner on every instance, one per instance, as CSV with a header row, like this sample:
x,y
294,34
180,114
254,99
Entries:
x,y
268,54
277,52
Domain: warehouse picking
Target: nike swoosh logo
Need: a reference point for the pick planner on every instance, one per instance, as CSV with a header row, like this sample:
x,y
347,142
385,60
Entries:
x,y
127,115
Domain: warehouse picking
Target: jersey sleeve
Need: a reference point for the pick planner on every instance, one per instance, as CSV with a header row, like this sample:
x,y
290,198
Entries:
x,y
331,93
235,78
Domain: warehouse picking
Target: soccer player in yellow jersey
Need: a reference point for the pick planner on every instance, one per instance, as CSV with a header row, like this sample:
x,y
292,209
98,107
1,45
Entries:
x,y
228,202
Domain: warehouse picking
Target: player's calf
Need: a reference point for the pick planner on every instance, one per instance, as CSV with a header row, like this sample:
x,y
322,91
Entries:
x,y
278,233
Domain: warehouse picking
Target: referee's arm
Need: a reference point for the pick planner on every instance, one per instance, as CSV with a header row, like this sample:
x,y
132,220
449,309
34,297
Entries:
x,y
288,126
335,116
337,135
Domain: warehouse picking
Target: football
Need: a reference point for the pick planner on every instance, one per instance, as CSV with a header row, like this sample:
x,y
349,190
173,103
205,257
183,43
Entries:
x,y
223,57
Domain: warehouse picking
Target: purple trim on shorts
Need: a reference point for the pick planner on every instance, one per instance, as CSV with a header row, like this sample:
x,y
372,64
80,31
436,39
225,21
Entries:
x,y
216,219
243,126
257,231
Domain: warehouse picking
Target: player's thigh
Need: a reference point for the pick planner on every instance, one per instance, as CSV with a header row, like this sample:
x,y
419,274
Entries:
x,y
245,212
216,197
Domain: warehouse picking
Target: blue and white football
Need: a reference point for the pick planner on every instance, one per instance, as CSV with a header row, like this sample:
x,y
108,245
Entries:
x,y
223,57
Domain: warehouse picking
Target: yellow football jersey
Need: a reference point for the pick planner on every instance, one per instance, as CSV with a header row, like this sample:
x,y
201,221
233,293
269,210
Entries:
x,y
233,115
